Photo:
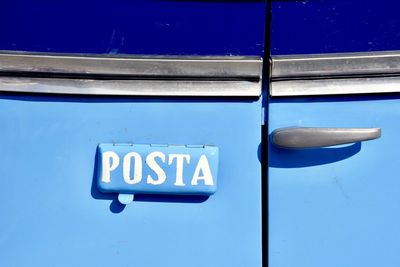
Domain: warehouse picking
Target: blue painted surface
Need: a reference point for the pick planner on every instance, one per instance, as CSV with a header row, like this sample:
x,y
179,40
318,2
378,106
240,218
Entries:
x,y
54,215
329,26
336,206
176,170
162,27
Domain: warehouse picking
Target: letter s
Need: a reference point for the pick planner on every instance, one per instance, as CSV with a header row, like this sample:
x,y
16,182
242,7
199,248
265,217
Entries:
x,y
151,162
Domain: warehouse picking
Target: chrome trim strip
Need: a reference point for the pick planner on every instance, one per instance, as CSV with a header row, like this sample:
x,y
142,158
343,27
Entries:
x,y
335,86
335,74
160,67
130,75
346,64
130,87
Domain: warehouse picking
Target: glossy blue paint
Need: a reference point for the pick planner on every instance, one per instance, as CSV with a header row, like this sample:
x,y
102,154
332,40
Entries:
x,y
161,27
335,206
185,170
329,26
54,215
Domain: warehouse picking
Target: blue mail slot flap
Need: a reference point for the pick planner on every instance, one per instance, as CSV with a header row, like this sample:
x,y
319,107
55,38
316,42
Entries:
x,y
157,169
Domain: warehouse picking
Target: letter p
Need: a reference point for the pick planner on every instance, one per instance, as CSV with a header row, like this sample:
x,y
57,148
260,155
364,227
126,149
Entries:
x,y
110,162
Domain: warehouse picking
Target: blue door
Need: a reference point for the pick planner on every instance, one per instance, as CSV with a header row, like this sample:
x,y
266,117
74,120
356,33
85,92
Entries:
x,y
334,188
77,78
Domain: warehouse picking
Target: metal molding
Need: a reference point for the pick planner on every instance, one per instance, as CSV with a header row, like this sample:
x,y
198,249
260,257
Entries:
x,y
128,75
335,86
333,74
130,87
346,64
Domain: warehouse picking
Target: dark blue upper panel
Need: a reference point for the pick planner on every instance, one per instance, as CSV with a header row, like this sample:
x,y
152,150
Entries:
x,y
328,26
203,27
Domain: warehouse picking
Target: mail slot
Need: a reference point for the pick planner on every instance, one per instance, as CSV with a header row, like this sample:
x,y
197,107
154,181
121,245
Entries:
x,y
157,169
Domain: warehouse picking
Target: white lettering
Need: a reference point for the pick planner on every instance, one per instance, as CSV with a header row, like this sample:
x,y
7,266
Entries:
x,y
108,166
137,172
179,166
151,162
156,162
204,167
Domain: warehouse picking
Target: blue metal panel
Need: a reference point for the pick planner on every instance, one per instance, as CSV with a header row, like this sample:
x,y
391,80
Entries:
x,y
327,26
336,206
53,214
174,27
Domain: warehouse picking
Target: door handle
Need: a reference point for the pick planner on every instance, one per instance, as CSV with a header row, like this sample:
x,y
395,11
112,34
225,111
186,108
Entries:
x,y
311,137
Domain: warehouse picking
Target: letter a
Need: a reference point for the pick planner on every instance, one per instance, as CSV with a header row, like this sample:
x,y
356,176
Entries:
x,y
204,167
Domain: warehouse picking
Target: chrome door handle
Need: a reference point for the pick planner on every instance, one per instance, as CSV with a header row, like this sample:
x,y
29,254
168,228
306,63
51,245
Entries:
x,y
309,137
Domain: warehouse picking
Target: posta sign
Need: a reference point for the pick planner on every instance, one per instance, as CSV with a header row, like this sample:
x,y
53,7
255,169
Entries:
x,y
157,169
